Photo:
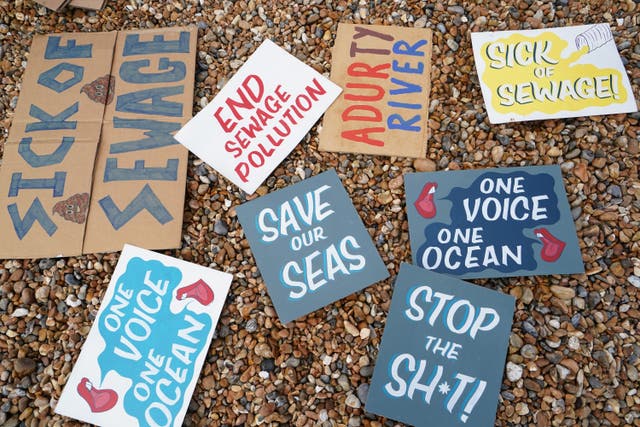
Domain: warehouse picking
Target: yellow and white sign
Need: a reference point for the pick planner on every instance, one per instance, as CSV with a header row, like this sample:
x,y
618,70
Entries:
x,y
551,73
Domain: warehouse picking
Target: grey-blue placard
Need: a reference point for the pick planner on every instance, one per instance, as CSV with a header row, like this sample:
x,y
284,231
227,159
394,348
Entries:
x,y
492,222
443,352
310,245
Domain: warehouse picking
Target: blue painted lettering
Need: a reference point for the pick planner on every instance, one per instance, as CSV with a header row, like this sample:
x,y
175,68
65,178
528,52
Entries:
x,y
132,102
68,51
159,134
130,71
35,213
40,160
56,184
133,45
49,122
48,78
139,172
146,199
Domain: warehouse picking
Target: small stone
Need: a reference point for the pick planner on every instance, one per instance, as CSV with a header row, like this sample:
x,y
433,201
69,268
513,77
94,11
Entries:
x,y
263,350
634,280
24,366
351,329
42,293
352,401
20,312
563,372
424,165
363,392
251,326
496,153
528,351
27,296
220,228
396,182
563,292
554,152
514,371
71,279
267,364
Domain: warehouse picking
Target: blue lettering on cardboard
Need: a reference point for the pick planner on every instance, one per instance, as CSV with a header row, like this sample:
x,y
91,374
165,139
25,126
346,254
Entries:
x,y
149,343
35,213
56,184
146,199
133,102
140,172
49,122
159,134
49,78
40,160
130,71
133,45
69,51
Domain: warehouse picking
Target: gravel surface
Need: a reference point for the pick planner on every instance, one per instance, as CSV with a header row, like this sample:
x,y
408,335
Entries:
x,y
574,351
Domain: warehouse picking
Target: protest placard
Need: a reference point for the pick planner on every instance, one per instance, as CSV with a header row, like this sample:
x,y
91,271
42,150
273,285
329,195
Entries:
x,y
492,222
53,202
385,72
551,73
259,116
142,357
442,353
140,172
45,179
310,245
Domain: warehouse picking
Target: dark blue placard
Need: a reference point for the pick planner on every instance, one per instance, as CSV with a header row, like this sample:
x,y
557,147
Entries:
x,y
492,222
310,245
442,353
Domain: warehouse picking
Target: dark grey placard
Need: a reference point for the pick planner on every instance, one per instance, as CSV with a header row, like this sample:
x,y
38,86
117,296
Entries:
x,y
458,383
328,245
536,236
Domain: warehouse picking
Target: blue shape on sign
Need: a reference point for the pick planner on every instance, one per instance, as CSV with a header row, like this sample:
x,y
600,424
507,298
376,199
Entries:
x,y
132,102
36,212
149,343
140,172
49,77
158,135
133,45
49,122
146,199
130,71
40,160
56,184
70,50
488,224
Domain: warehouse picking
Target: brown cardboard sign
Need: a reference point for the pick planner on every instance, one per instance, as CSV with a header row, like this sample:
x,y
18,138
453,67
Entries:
x,y
53,4
53,201
140,173
87,4
45,179
385,74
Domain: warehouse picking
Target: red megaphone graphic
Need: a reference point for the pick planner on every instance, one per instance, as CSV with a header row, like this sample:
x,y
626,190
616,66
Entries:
x,y
552,247
199,291
98,400
425,204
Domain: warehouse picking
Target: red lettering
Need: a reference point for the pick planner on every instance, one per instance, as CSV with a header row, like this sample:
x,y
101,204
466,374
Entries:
x,y
375,117
362,135
226,126
370,98
360,69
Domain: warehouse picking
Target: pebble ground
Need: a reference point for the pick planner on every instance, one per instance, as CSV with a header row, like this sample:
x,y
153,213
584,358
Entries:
x,y
574,351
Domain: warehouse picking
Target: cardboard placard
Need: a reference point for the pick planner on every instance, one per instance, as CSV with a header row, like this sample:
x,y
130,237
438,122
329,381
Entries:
x,y
551,73
53,4
492,222
53,201
385,72
310,245
259,116
442,353
45,179
140,173
141,360
87,4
